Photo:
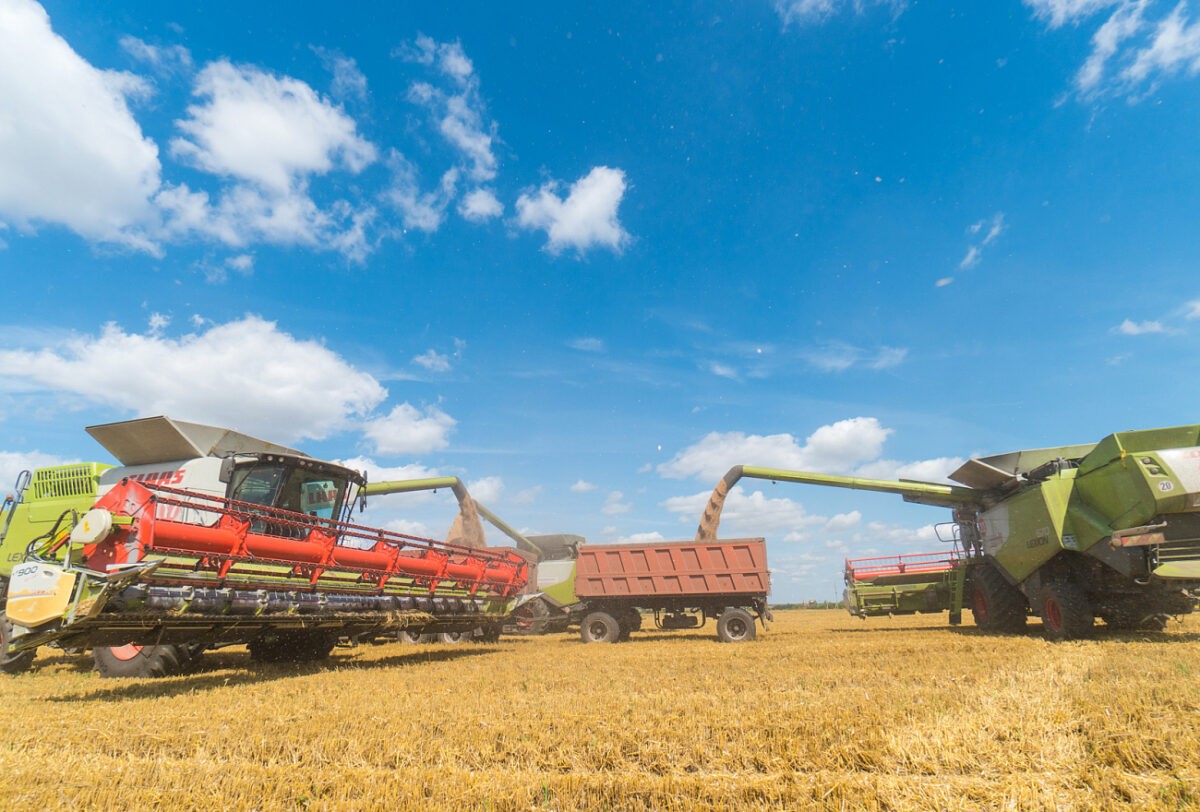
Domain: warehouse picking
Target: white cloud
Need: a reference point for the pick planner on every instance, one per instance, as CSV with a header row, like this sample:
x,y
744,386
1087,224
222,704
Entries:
x,y
1131,52
802,12
480,205
934,470
582,487
348,81
408,528
71,152
527,496
1138,328
419,210
162,58
639,538
1193,310
723,371
408,430
12,463
945,280
266,129
837,356
747,513
486,490
843,521
388,473
460,112
587,344
433,361
837,448
584,219
994,228
613,506
244,374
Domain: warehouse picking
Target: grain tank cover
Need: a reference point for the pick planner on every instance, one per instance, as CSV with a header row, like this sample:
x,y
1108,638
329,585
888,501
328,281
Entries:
x,y
989,473
151,440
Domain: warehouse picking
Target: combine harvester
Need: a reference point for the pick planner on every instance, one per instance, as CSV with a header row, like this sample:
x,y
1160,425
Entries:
x,y
1108,530
205,537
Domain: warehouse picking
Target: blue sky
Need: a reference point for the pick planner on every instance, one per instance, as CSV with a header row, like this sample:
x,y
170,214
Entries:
x,y
588,258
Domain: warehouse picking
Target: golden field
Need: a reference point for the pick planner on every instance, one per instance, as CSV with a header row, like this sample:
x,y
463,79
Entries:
x,y
823,711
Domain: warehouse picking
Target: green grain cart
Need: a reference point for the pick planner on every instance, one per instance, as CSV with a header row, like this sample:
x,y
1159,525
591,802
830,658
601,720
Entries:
x,y
1109,530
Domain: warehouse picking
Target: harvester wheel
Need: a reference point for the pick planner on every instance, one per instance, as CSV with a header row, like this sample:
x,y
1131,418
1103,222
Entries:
x,y
735,625
406,636
12,663
599,627
1066,612
997,605
134,661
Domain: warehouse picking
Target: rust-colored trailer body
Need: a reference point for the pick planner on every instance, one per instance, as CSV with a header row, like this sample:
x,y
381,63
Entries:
x,y
728,567
684,583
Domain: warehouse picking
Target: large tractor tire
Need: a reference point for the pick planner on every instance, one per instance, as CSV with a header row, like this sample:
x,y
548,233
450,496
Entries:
x,y
997,605
736,625
630,621
1066,612
141,662
599,627
299,646
12,663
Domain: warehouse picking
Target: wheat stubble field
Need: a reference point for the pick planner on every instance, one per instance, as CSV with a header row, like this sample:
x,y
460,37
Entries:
x,y
824,711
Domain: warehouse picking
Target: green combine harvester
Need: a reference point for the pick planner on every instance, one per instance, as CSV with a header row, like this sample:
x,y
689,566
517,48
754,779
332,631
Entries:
x,y
1071,534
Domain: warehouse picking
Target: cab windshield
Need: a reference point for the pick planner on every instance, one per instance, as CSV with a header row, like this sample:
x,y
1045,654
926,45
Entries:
x,y
288,487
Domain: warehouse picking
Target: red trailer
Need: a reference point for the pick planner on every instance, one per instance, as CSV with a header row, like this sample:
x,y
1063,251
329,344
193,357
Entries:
x,y
684,583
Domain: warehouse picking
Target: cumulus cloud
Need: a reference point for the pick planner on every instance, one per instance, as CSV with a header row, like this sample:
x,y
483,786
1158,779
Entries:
x,y
486,490
12,463
245,374
71,153
348,81
614,506
527,496
586,218
837,448
749,513
1135,44
639,538
166,59
582,486
934,470
480,205
409,430
266,129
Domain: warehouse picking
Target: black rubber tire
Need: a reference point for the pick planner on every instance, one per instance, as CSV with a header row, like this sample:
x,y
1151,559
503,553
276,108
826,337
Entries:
x,y
634,620
413,638
488,634
451,638
996,605
140,662
599,627
1066,612
292,646
736,625
12,663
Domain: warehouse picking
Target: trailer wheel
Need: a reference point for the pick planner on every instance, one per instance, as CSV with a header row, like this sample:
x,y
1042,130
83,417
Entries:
x,y
140,662
12,663
1066,612
599,627
630,621
735,625
488,634
996,605
453,638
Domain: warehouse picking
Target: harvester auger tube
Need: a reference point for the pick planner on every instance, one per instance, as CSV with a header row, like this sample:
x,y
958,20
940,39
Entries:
x,y
927,493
